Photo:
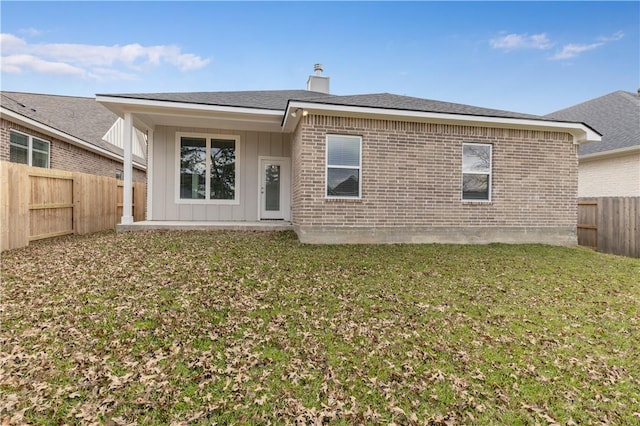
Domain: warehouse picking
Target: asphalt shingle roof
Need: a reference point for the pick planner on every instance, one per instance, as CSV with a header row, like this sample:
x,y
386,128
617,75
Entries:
x,y
616,116
408,103
277,100
81,117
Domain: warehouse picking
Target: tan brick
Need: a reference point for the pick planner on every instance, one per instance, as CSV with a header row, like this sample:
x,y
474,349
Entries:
x,y
412,173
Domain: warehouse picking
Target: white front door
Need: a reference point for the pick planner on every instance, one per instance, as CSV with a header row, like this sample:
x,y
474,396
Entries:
x,y
275,188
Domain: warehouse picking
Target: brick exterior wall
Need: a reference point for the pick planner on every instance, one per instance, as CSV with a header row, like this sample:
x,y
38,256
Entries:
x,y
610,177
65,156
412,177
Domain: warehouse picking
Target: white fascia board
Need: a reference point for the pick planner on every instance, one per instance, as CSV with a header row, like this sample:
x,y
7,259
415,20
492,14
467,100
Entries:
x,y
114,137
289,122
51,131
183,106
580,132
620,152
200,115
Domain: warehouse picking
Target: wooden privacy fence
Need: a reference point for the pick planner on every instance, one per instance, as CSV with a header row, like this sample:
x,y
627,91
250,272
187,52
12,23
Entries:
x,y
39,203
610,224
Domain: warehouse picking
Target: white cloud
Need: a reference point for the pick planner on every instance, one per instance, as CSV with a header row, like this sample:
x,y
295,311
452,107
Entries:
x,y
16,64
510,42
10,42
614,37
188,61
573,50
91,61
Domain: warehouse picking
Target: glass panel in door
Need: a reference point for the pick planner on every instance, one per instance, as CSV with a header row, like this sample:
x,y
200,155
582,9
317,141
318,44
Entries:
x,y
274,191
272,187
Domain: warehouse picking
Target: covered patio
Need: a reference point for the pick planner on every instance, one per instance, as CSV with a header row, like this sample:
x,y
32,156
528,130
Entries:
x,y
211,163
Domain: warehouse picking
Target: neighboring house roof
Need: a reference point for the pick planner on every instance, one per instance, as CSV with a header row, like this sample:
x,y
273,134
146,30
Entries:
x,y
616,116
77,117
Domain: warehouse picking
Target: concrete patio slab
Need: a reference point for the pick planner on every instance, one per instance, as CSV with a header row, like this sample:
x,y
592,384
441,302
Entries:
x,y
153,225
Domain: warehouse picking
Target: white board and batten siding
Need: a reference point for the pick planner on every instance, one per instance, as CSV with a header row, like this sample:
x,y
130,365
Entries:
x,y
165,177
115,136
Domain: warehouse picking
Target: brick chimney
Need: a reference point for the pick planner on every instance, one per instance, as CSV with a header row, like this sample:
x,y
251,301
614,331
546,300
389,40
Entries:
x,y
318,82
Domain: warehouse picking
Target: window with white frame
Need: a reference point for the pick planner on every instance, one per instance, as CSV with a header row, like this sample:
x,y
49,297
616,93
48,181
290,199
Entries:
x,y
344,164
29,150
208,168
476,172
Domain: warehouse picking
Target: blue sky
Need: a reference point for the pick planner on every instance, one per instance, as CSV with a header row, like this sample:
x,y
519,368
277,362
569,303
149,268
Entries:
x,y
533,57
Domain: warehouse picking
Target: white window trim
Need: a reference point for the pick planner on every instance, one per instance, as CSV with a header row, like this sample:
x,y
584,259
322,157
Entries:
x,y
490,173
326,168
30,149
208,137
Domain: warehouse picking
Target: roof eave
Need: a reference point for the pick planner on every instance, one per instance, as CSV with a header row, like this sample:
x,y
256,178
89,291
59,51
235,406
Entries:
x,y
59,134
620,152
581,133
116,104
148,113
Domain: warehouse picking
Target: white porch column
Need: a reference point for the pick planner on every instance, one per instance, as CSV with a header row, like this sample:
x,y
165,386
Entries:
x,y
127,193
150,174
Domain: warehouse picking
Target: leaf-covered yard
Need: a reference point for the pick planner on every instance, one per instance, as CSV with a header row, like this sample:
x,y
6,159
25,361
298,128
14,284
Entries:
x,y
255,328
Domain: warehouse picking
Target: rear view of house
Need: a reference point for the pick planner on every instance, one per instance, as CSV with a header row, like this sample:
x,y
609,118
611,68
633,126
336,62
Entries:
x,y
351,169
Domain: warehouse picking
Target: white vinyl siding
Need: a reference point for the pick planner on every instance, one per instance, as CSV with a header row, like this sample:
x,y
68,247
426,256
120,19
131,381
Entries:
x,y
115,136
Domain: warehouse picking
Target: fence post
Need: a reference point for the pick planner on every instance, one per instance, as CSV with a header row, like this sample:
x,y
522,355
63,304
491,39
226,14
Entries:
x,y
14,193
76,203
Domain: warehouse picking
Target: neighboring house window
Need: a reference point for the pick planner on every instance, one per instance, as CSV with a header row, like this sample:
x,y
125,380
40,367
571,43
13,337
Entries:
x,y
476,172
344,160
28,150
208,168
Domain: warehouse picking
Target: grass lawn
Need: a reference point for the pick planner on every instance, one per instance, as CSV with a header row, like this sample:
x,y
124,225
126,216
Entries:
x,y
256,328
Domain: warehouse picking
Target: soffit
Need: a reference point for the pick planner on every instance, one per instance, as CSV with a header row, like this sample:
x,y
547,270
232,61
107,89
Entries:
x,y
149,114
